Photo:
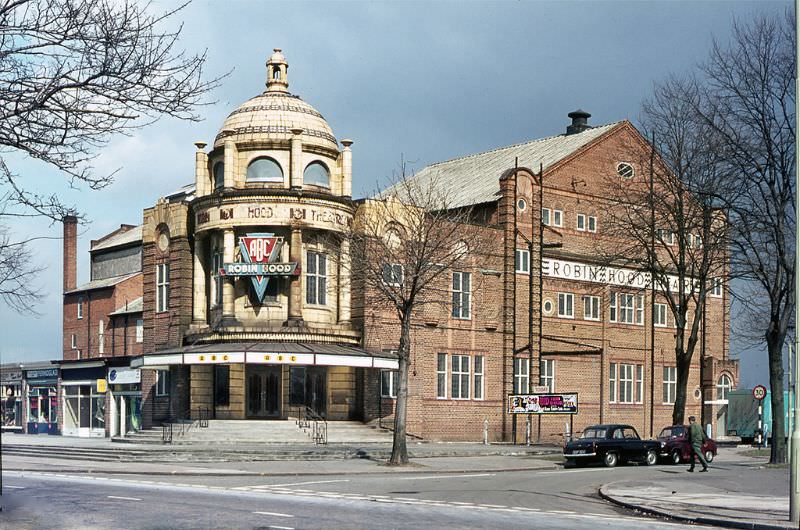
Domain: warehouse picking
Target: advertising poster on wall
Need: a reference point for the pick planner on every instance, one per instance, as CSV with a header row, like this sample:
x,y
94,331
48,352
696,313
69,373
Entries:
x,y
543,403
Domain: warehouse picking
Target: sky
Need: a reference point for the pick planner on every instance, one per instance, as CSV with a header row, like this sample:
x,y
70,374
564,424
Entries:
x,y
428,81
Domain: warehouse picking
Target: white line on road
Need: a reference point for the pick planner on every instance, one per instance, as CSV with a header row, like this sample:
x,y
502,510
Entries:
x,y
304,483
572,471
281,527
123,498
448,476
15,487
275,514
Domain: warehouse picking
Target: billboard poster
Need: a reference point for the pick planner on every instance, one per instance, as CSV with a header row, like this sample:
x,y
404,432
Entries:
x,y
543,403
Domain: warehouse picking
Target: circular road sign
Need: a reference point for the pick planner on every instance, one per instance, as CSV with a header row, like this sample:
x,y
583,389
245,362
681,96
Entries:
x,y
760,392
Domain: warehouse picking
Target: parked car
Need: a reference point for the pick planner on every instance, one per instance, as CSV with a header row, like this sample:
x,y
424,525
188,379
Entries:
x,y
676,447
611,444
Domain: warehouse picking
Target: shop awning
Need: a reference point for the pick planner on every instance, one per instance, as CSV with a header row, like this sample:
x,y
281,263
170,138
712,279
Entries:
x,y
293,353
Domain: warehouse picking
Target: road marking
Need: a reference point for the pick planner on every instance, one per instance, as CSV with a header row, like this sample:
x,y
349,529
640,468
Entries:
x,y
572,471
275,514
447,476
15,487
304,483
123,498
281,527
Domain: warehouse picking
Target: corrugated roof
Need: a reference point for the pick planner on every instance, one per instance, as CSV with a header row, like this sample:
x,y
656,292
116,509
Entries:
x,y
134,235
131,307
100,284
475,179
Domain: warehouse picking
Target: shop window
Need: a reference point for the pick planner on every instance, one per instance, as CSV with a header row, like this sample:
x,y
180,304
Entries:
x,y
393,274
264,170
591,308
521,375
222,385
162,287
566,307
316,278
42,404
84,408
459,376
477,377
669,385
162,382
522,261
389,383
441,376
547,374
139,330
461,294
316,173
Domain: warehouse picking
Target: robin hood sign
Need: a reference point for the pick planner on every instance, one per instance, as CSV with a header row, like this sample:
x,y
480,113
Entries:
x,y
260,254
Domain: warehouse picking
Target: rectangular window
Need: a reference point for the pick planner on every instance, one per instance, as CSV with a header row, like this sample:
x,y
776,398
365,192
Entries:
x,y
477,377
316,278
698,241
389,383
297,385
670,381
716,287
139,330
162,287
393,274
660,316
101,337
591,308
74,342
626,383
546,216
639,383
558,218
521,375
441,376
665,236
222,385
461,294
80,307
522,261
162,382
622,308
612,308
640,309
566,307
459,376
581,222
592,223
612,383
216,283
547,374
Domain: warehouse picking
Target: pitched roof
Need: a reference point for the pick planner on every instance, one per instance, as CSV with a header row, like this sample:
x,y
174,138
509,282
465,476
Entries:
x,y
475,179
100,284
134,235
135,306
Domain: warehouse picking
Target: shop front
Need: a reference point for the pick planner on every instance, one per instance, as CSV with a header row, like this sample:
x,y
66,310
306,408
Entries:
x,y
11,404
42,401
125,401
84,399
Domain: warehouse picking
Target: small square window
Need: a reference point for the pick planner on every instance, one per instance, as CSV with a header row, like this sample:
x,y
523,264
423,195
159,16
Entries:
x,y
558,218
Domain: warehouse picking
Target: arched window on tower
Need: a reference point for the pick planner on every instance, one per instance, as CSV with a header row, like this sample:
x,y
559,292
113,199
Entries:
x,y
264,170
316,173
219,175
276,73
724,385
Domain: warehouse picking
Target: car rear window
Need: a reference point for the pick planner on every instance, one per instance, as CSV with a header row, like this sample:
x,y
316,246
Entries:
x,y
594,433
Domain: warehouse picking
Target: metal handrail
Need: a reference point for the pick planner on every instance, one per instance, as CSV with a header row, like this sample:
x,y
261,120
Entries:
x,y
318,425
168,429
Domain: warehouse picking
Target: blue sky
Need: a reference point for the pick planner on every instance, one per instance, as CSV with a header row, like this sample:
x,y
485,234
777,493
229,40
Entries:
x,y
430,80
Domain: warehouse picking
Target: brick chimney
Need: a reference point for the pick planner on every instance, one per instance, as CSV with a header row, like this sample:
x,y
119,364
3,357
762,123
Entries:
x,y
70,252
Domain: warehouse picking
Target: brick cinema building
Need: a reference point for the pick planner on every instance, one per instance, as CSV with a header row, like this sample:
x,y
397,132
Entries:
x,y
242,310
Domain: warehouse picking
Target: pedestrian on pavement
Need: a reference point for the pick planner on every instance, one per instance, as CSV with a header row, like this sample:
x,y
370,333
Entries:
x,y
696,438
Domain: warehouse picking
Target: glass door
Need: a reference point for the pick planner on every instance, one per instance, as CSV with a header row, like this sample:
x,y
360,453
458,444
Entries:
x,y
263,391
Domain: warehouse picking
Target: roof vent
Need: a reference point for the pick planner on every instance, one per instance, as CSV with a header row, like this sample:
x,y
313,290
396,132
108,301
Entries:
x,y
579,118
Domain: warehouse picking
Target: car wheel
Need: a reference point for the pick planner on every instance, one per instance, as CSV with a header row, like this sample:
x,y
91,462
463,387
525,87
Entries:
x,y
651,458
676,457
610,459
709,456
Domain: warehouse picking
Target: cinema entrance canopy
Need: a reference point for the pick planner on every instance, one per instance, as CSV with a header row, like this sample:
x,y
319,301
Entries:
x,y
266,380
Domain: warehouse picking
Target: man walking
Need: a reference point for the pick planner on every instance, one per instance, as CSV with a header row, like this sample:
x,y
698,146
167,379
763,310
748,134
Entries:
x,y
696,437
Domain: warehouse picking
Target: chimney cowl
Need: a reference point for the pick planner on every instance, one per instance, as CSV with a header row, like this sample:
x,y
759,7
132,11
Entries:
x,y
579,121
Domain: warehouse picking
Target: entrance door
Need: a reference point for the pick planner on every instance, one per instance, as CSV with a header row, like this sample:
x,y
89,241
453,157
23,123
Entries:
x,y
316,389
263,391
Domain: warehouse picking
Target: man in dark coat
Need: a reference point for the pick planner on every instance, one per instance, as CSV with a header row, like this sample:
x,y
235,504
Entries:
x,y
696,437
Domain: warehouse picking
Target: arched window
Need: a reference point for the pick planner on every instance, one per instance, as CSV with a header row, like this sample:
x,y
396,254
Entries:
x,y
724,385
276,74
264,170
219,175
317,174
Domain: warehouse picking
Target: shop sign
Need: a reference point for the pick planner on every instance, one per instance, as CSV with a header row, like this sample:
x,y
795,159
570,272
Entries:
x,y
14,376
260,253
318,215
124,376
543,403
45,374
102,386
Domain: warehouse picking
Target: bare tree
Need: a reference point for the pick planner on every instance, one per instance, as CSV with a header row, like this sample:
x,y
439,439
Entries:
x,y
73,73
405,243
749,103
666,222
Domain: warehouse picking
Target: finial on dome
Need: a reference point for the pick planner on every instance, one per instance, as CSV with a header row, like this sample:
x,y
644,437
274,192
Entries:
x,y
277,68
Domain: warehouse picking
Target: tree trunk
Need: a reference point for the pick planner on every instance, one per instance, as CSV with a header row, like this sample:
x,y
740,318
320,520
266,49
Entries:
x,y
399,450
775,340
682,381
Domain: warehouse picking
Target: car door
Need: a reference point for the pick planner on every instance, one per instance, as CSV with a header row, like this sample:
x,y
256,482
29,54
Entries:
x,y
634,448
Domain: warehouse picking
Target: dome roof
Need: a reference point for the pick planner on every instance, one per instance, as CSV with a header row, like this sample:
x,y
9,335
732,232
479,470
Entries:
x,y
272,115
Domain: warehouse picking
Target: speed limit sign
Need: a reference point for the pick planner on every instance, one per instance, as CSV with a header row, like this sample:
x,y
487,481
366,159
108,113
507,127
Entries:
x,y
760,392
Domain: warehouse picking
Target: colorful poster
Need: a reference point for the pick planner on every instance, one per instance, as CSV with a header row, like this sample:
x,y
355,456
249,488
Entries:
x,y
543,403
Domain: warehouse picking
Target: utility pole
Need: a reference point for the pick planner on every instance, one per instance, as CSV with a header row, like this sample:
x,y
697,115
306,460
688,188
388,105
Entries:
x,y
794,456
